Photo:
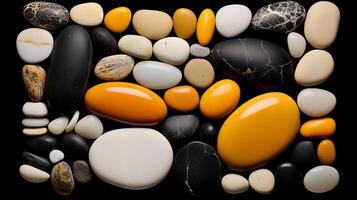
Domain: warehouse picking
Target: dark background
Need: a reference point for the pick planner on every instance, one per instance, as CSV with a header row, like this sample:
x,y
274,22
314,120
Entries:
x,y
168,189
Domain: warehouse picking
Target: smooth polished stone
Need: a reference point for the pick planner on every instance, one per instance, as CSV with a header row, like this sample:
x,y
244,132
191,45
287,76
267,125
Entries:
x,y
104,43
296,44
199,73
87,14
288,178
184,23
34,131
33,174
126,102
118,19
318,128
46,15
321,179
35,122
182,98
136,45
41,145
172,50
74,146
34,78
58,125
205,27
131,158
81,172
304,155
245,140
260,63
55,156
326,152
114,68
234,184
197,50
70,66
72,123
178,128
262,181
321,24
208,133
62,180
220,99
316,102
34,109
89,127
36,161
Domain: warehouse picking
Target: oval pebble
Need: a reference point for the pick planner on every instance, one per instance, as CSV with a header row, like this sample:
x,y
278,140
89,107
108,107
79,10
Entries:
x,y
89,127
304,154
182,98
197,50
58,125
296,44
42,144
184,23
114,68
104,43
34,131
87,14
72,123
118,19
288,178
55,156
205,27
234,184
36,161
35,122
199,73
172,50
34,109
321,179
81,172
262,181
34,78
316,102
74,146
178,128
62,179
326,152
318,128
136,45
33,174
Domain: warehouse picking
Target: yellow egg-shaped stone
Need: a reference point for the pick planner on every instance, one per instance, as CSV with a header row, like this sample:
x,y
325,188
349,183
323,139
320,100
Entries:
x,y
220,99
258,131
318,128
182,98
205,27
118,19
326,152
184,22
126,102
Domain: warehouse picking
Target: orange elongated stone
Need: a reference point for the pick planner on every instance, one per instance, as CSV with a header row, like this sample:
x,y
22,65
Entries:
x,y
126,102
182,98
318,128
326,152
205,26
118,19
258,131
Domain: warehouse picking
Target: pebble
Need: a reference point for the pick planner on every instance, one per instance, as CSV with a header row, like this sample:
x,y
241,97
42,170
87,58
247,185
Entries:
x,y
87,14
104,43
62,179
114,68
232,20
234,184
208,133
118,19
197,50
283,16
46,15
34,131
34,109
34,45
262,181
33,174
288,178
182,98
36,161
296,44
72,123
318,128
152,24
314,68
321,24
135,45
74,146
41,145
178,128
197,168
316,102
34,78
205,27
146,154
326,152
184,23
89,127
220,99
35,122
55,156
126,102
172,50
321,179
156,75
81,172
199,73
58,125
245,139
304,155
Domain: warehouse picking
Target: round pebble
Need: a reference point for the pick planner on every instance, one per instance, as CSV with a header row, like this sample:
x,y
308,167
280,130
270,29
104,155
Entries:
x,y
184,23
199,73
316,102
182,98
326,152
172,50
118,19
89,127
296,44
55,156
87,14
262,181
234,184
58,125
321,179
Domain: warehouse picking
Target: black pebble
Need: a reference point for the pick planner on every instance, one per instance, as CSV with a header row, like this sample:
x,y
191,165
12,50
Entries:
x,y
208,133
180,128
304,155
36,161
288,178
74,146
103,41
81,172
41,145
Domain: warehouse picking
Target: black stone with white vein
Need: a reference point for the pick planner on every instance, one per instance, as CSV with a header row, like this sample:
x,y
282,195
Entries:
x,y
180,128
260,63
197,168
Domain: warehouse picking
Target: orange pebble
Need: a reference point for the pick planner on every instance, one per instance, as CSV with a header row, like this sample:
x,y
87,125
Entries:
x,y
326,152
318,128
182,98
118,19
185,22
205,26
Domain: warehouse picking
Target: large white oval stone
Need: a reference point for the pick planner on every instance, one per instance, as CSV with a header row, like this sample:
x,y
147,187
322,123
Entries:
x,y
321,179
172,50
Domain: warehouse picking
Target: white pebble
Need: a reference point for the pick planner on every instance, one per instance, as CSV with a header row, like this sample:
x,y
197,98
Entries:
x,y
56,156
58,125
262,181
89,127
33,174
34,109
72,123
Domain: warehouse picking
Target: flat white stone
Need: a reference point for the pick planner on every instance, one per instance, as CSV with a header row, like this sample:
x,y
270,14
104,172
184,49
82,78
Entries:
x,y
72,123
34,45
33,174
131,158
35,122
136,45
197,50
55,156
58,125
296,44
156,75
34,109
321,179
234,184
232,20
262,181
87,14
172,50
34,131
316,102
314,68
89,127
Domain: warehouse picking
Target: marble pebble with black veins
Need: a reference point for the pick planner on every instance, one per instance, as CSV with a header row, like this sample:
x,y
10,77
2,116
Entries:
x,y
284,17
177,128
36,161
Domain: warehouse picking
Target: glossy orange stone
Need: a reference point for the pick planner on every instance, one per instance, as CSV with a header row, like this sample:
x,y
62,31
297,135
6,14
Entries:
x,y
126,102
184,22
182,98
118,19
326,152
318,128
205,26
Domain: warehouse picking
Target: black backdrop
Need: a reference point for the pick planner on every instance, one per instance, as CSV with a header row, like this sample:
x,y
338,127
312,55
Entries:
x,y
168,188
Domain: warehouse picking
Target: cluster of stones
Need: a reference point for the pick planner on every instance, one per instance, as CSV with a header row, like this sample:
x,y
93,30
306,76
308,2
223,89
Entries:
x,y
140,157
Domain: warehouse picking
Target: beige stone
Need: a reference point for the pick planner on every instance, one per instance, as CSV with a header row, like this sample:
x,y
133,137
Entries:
x,y
34,78
199,73
114,68
136,45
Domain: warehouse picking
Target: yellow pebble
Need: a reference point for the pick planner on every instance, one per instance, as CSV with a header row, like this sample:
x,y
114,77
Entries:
x,y
182,98
326,152
118,19
205,27
318,128
185,23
